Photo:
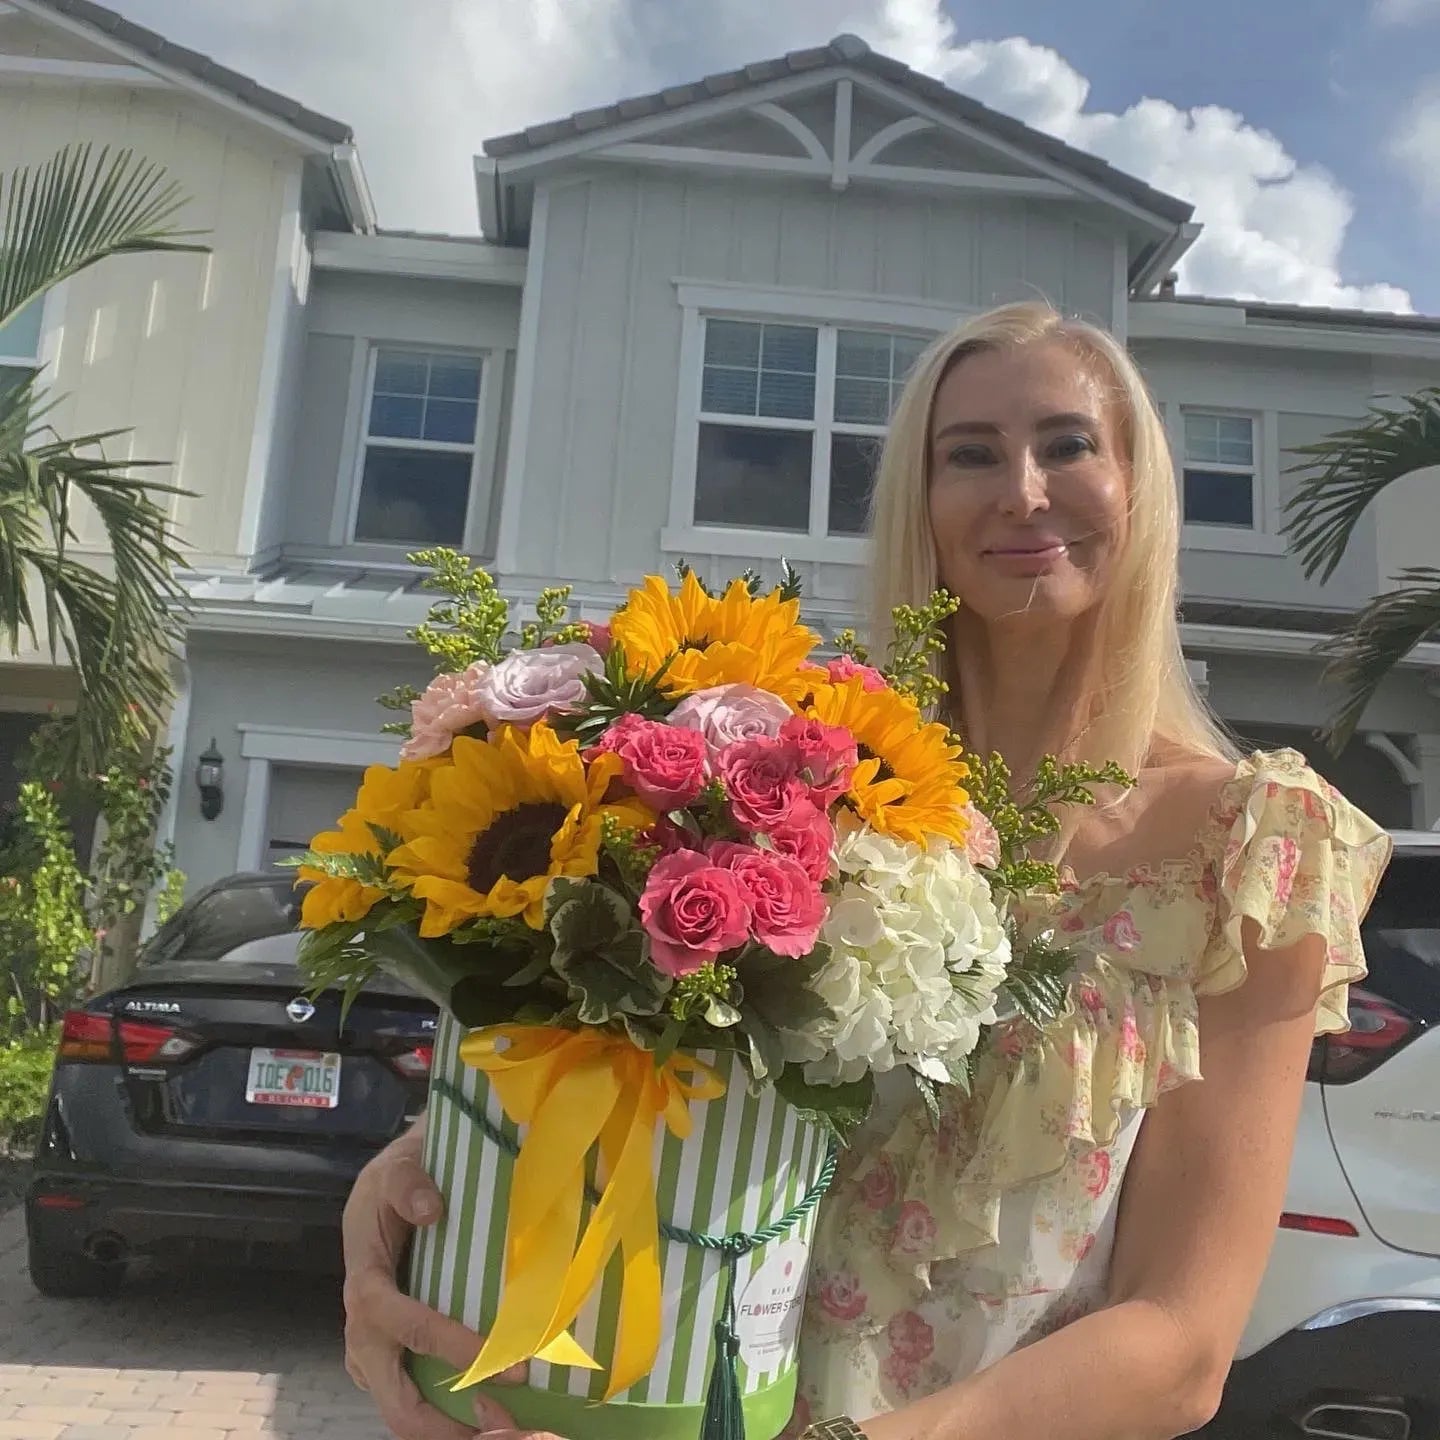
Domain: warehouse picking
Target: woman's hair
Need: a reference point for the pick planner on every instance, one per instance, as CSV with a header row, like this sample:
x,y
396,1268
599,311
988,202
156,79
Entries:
x,y
1141,692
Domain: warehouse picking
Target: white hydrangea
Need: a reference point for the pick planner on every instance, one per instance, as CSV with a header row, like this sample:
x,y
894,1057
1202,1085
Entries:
x,y
918,952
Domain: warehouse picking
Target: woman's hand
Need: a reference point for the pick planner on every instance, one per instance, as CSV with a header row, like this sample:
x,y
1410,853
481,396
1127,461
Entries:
x,y
391,1196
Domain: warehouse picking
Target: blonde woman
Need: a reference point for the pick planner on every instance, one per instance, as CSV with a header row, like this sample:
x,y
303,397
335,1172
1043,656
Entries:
x,y
1074,1254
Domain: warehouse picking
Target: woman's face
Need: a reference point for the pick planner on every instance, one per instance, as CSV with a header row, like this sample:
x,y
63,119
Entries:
x,y
1028,485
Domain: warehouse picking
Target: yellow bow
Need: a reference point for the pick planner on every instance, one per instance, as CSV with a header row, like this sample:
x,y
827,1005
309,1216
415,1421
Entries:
x,y
575,1088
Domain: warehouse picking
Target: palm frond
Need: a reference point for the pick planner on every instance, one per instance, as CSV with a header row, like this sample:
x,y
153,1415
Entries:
x,y
1348,469
76,209
1377,638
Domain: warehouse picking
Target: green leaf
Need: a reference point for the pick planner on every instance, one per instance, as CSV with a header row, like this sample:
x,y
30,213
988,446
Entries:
x,y
1038,980
841,1109
930,1096
670,1038
612,979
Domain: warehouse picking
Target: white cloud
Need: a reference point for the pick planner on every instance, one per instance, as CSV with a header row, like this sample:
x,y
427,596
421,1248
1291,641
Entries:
x,y
423,93
1415,145
1404,12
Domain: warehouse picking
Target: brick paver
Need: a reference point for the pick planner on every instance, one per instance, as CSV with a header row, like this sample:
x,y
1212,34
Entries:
x,y
215,1355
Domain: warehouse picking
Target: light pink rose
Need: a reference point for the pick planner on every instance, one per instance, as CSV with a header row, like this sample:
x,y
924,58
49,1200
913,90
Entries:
x,y
664,765
915,1230
808,837
692,911
786,906
910,1337
878,1185
450,705
528,685
825,755
982,841
846,667
724,714
761,783
1120,931
842,1297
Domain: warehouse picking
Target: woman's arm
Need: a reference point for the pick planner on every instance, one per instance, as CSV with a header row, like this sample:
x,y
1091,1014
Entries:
x,y
1201,1200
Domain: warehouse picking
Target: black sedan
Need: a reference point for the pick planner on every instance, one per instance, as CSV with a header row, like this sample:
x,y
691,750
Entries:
x,y
207,1104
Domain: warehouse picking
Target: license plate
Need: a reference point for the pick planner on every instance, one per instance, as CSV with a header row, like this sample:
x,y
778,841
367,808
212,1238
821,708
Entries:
x,y
306,1078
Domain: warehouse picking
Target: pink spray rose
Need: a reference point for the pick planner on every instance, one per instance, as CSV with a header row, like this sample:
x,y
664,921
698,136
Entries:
x,y
826,756
762,782
449,706
528,685
664,764
724,714
808,836
692,911
982,843
786,906
846,667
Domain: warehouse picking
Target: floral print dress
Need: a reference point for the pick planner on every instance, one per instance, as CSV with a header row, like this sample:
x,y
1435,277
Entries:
x,y
939,1252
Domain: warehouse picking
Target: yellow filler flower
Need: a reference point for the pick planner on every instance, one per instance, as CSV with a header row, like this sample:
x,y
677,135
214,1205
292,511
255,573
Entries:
x,y
908,782
506,815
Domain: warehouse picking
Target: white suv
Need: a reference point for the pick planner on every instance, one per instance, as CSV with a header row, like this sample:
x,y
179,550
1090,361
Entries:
x,y
1344,1340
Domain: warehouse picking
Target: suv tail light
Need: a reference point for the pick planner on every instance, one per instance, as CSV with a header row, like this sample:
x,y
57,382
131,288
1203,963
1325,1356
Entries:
x,y
89,1037
1377,1030
413,1064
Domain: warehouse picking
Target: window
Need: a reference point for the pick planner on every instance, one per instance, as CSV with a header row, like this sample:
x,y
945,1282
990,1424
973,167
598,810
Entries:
x,y
1220,475
20,344
419,448
790,423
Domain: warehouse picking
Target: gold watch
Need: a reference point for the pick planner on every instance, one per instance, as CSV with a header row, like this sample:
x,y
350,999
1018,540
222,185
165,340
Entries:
x,y
840,1427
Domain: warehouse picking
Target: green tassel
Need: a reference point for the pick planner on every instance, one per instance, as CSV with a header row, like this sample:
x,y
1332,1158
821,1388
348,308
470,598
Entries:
x,y
724,1419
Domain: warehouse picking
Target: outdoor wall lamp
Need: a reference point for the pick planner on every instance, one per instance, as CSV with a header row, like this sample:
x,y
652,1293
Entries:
x,y
209,771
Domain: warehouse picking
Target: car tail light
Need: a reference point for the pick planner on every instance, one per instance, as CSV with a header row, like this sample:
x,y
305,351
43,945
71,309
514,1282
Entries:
x,y
89,1037
414,1064
1377,1030
1319,1225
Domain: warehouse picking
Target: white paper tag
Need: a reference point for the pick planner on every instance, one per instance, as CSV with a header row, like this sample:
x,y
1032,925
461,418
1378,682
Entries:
x,y
767,1316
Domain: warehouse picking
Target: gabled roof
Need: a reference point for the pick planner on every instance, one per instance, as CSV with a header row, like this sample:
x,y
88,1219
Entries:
x,y
851,52
202,67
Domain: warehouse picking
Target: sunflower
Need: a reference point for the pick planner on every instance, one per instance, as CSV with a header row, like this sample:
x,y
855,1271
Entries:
x,y
715,640
385,795
506,815
907,783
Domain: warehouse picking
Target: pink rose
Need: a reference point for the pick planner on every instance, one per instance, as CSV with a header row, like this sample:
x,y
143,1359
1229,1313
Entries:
x,y
808,837
910,1337
724,714
915,1230
786,906
528,685
878,1185
982,841
761,782
692,911
450,705
842,1297
1095,1173
825,756
1120,931
846,667
664,766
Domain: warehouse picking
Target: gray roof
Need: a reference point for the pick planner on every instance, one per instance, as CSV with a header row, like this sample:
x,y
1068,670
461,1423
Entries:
x,y
1308,314
854,53
202,67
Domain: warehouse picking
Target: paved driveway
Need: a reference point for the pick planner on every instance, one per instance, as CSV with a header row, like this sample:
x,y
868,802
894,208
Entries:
x,y
220,1356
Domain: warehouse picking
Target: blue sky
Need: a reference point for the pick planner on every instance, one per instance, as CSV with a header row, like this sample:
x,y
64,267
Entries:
x,y
1307,132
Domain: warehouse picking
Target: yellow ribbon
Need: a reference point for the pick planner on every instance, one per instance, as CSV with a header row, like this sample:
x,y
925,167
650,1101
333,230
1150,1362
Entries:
x,y
575,1089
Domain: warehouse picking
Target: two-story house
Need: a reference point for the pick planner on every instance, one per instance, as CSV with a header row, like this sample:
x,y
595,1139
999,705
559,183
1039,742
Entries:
x,y
679,334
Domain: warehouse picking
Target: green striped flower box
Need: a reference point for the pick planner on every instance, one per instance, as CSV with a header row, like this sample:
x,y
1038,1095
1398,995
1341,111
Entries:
x,y
748,1160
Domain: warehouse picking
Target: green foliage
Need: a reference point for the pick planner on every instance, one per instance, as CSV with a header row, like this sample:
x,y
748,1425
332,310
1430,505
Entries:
x,y
1038,978
918,636
549,624
601,955
840,1109
615,693
468,626
25,1065
707,994
631,857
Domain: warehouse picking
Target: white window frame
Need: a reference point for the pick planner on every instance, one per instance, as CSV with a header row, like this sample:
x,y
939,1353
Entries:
x,y
1264,537
828,312
363,440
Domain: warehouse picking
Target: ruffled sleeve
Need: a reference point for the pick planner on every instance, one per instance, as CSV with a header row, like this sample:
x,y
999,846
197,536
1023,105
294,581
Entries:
x,y
1298,859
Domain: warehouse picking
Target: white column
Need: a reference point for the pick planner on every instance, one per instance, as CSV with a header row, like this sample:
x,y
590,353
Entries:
x,y
1427,792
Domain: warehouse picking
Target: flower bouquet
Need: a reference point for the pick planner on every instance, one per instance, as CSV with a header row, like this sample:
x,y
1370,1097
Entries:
x,y
681,890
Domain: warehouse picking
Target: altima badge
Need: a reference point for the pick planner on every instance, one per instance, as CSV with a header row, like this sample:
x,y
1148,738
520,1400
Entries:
x,y
300,1010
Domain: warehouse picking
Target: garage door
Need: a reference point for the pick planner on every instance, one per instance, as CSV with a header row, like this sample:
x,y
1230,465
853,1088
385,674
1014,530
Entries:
x,y
304,800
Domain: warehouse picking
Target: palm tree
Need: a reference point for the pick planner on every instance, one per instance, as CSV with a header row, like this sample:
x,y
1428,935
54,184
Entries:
x,y
1345,473
116,620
